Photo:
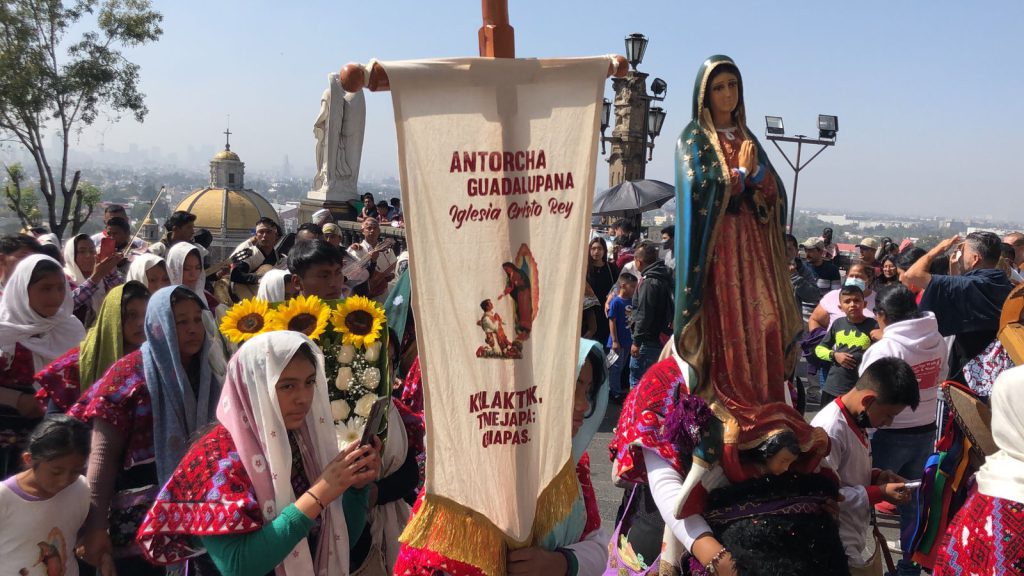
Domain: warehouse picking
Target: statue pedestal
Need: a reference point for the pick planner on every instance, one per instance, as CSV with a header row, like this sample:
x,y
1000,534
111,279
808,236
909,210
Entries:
x,y
341,210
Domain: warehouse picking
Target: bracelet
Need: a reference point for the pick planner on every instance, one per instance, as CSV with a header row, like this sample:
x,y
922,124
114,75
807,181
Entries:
x,y
570,561
314,497
712,566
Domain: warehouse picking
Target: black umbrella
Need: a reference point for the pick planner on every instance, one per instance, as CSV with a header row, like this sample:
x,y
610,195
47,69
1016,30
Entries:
x,y
629,198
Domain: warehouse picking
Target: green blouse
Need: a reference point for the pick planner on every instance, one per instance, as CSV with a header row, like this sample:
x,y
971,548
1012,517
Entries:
x,y
261,551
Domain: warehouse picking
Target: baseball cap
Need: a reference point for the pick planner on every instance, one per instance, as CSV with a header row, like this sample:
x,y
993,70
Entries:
x,y
332,228
813,242
868,243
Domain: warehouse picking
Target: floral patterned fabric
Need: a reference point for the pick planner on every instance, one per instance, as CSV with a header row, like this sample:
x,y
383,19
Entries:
x,y
411,409
121,399
981,372
986,537
59,381
16,373
641,422
209,494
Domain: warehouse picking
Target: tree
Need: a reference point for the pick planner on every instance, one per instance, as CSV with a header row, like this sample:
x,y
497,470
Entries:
x,y
46,77
21,200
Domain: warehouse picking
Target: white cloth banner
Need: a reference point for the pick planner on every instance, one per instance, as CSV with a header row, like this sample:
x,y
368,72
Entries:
x,y
497,160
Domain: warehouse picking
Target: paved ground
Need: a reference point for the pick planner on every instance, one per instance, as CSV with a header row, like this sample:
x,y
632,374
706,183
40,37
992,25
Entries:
x,y
609,497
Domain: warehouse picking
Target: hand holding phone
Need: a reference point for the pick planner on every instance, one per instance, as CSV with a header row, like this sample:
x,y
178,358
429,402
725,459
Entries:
x,y
373,422
107,248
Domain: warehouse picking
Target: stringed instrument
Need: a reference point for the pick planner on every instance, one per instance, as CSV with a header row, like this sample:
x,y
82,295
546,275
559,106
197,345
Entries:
x,y
245,291
379,280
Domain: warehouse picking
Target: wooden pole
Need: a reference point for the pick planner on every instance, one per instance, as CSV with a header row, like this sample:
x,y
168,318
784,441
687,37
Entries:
x,y
497,40
497,37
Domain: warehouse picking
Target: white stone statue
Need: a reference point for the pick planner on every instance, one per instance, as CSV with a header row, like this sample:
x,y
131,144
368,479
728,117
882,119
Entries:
x,y
339,142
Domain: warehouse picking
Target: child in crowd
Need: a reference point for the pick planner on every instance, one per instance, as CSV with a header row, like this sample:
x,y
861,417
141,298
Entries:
x,y
620,339
887,387
43,508
845,344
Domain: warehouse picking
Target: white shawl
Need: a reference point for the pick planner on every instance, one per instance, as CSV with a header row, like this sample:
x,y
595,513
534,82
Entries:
x,y
140,265
77,276
176,264
46,338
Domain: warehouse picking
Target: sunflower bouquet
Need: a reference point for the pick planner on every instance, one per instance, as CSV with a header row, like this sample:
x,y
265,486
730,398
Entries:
x,y
352,333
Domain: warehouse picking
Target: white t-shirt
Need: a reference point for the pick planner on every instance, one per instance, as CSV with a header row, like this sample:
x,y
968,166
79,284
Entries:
x,y
850,457
35,534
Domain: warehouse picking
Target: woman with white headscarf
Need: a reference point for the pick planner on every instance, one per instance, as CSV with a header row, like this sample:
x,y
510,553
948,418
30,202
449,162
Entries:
x,y
985,535
185,268
90,280
150,270
273,501
276,286
36,327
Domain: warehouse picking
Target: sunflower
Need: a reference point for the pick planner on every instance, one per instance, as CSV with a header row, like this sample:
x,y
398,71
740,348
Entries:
x,y
359,320
245,320
308,315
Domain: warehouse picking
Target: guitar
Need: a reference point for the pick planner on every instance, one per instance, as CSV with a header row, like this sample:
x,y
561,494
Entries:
x,y
245,291
379,279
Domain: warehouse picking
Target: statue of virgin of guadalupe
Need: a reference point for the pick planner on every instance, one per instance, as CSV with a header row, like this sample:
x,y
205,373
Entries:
x,y
736,321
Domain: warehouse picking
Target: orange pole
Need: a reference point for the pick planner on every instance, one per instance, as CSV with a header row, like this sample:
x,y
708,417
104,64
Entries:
x,y
497,37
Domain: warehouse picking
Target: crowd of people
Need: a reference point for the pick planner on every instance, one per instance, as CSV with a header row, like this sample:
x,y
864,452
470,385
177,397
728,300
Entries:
x,y
135,440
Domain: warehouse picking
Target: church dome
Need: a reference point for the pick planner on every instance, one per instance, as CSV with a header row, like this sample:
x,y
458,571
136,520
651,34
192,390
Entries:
x,y
230,210
226,155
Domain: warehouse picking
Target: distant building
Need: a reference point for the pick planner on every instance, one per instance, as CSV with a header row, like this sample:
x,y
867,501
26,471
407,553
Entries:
x,y
226,207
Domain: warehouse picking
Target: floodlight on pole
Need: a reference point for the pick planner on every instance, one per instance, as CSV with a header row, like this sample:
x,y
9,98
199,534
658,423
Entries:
x,y
828,126
773,125
659,87
775,131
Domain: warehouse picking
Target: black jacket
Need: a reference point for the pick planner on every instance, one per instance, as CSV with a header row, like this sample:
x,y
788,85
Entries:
x,y
652,304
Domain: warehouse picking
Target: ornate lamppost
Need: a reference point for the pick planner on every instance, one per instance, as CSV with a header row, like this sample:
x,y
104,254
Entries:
x,y
636,123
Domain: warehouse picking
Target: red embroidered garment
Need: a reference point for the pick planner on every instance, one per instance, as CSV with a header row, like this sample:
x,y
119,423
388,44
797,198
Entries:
x,y
641,420
209,494
986,537
122,399
17,371
59,381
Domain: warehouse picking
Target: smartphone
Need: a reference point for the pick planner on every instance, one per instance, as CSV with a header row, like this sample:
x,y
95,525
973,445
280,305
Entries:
x,y
106,248
373,422
912,485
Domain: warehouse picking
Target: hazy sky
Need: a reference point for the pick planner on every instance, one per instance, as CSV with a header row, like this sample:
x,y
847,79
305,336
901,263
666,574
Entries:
x,y
928,94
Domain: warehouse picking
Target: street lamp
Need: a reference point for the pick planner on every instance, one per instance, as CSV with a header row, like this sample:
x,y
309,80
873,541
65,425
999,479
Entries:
x,y
775,131
636,45
606,113
637,123
655,119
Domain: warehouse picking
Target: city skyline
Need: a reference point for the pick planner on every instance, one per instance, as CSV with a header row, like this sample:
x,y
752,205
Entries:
x,y
901,89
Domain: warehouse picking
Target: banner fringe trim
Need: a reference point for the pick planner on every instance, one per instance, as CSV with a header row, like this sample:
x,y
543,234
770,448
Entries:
x,y
454,531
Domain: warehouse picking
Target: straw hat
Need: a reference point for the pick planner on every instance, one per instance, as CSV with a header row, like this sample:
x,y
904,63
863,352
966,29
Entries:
x,y
973,416
1011,325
